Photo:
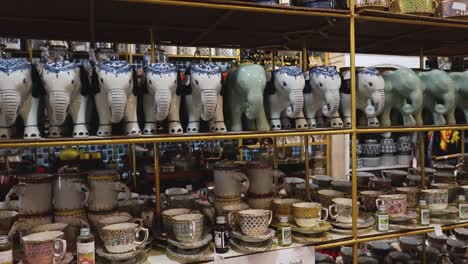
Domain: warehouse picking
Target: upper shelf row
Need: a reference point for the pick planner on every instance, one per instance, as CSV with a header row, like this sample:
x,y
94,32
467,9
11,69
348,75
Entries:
x,y
233,23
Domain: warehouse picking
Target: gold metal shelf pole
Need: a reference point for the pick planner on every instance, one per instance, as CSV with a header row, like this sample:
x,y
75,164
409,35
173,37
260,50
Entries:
x,y
463,141
134,176
328,150
275,164
30,51
306,162
157,188
153,57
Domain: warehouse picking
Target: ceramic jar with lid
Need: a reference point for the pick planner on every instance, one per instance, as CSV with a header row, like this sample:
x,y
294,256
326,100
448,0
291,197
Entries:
x,y
389,148
35,193
371,148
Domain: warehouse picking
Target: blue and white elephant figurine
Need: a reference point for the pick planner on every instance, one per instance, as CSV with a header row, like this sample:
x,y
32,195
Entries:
x,y
322,96
284,97
115,88
20,90
161,98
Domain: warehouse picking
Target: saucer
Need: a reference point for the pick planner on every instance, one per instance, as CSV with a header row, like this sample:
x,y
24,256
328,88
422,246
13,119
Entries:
x,y
364,221
305,239
446,211
244,248
269,234
348,231
171,252
118,256
403,217
191,245
139,259
317,230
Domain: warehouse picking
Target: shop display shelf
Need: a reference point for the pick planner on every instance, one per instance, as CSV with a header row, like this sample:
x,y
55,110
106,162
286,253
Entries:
x,y
376,130
395,167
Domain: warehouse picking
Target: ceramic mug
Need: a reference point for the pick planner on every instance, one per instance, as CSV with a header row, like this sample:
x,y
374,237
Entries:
x,y
283,207
104,189
117,219
341,210
231,213
412,195
121,238
290,183
367,200
309,214
229,181
254,222
261,175
70,190
167,217
437,199
325,196
188,227
44,247
35,193
395,204
453,189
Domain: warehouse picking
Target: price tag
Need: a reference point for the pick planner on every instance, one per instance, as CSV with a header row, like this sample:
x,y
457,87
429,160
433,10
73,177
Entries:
x,y
459,6
438,230
299,255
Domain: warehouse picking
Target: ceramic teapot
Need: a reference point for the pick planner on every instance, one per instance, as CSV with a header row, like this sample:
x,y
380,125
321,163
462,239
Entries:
x,y
229,181
104,188
70,189
35,193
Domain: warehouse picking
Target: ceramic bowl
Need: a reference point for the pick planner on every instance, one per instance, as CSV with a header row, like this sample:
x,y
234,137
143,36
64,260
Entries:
x,y
437,199
322,180
254,222
456,246
325,196
283,207
412,195
436,241
453,189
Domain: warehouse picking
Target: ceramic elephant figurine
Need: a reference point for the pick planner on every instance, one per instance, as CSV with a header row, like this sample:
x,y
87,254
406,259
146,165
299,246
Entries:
x,y
66,87
203,98
115,88
244,89
461,89
370,99
322,95
403,93
20,87
161,98
439,96
284,98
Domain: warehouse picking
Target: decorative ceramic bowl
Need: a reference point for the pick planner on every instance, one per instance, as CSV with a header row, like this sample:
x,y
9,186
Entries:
x,y
437,199
396,204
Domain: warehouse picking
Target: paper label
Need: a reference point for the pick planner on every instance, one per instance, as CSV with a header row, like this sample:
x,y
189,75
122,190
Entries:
x,y
299,255
286,235
463,211
425,217
6,257
382,223
438,230
459,6
284,2
221,239
85,252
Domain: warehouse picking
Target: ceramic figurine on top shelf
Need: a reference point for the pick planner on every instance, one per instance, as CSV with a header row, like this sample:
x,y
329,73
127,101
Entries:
x,y
439,96
322,96
115,85
162,97
461,91
370,95
404,93
203,97
19,86
284,97
244,91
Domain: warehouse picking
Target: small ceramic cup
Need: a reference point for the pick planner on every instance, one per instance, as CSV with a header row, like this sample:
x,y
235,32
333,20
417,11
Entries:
x,y
412,195
167,217
117,219
188,227
283,207
289,184
309,214
254,222
342,210
44,247
367,200
437,199
231,213
325,196
121,238
452,188
396,204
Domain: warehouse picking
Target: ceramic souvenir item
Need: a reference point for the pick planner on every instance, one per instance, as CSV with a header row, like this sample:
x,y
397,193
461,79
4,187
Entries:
x,y
120,238
382,184
256,201
230,212
362,178
410,245
436,241
70,190
283,207
254,222
341,210
322,180
371,148
104,188
117,219
412,195
167,217
325,196
219,203
261,174
225,52
44,247
182,201
395,204
437,199
290,183
70,232
452,188
188,227
444,177
397,177
72,217
229,181
367,200
309,214
342,186
7,218
35,193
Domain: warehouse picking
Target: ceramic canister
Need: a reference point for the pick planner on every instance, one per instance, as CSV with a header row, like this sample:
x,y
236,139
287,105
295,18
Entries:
x,y
229,181
35,193
104,188
70,190
121,238
396,204
44,247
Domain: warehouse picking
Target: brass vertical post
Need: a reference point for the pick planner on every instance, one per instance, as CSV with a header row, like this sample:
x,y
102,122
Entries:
x,y
306,161
421,135
30,51
153,56
463,141
275,164
328,149
210,55
134,176
157,188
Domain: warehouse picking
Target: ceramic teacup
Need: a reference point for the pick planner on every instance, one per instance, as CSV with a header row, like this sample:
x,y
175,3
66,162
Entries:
x,y
44,247
342,210
412,195
437,199
325,196
104,189
309,214
167,217
230,212
452,188
121,238
283,207
396,204
322,180
254,222
117,219
381,184
188,227
289,184
367,200
34,192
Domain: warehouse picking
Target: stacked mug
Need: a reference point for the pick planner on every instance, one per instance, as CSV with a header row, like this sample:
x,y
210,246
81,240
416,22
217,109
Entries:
x,y
405,150
229,185
260,175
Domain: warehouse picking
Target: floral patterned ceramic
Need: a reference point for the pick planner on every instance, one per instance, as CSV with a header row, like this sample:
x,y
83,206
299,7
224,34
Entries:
x,y
120,238
309,214
367,200
412,195
437,199
395,204
43,247
188,227
453,189
341,210
254,222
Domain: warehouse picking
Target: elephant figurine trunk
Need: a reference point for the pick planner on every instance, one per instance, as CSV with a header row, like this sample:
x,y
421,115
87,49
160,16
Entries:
x,y
209,100
333,99
117,101
9,104
296,99
377,104
59,102
163,99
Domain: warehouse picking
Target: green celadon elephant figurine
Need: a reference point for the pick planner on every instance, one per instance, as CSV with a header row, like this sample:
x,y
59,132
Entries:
x,y
461,91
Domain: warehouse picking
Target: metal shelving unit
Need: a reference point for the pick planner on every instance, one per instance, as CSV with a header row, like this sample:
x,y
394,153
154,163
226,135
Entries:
x,y
236,24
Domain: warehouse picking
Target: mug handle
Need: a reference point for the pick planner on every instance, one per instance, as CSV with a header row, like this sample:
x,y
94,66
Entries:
x,y
242,178
271,217
412,171
121,187
138,221
331,209
348,176
231,218
16,189
61,246
324,218
137,231
83,188
384,174
379,201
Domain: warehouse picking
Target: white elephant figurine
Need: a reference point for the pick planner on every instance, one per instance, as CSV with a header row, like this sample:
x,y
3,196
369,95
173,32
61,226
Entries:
x,y
370,89
203,98
115,84
461,89
284,97
322,95
439,96
404,94
20,87
162,98
66,86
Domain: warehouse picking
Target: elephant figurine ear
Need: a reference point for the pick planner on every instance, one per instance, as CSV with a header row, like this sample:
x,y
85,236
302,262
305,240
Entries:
x,y
270,85
84,79
307,87
38,88
136,86
144,84
183,86
94,82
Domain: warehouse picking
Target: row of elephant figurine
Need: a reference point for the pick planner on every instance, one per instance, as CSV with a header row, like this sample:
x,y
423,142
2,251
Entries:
x,y
250,96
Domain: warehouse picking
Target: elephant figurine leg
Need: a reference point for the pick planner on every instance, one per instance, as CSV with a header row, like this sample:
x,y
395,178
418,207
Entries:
x,y
301,122
194,109
29,113
174,116
78,113
451,118
236,118
275,120
217,123
335,121
150,121
105,126
346,108
132,128
5,132
373,122
439,119
55,130
285,121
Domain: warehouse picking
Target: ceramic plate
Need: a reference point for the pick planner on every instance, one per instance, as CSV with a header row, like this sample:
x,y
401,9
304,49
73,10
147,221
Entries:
x,y
322,227
446,211
191,245
364,221
171,253
268,235
297,237
236,245
139,259
119,257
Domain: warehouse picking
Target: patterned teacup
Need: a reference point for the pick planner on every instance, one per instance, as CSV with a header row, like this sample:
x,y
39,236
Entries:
x,y
44,247
342,210
283,207
254,222
395,204
167,217
231,213
412,195
309,214
121,238
188,227
367,200
437,199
